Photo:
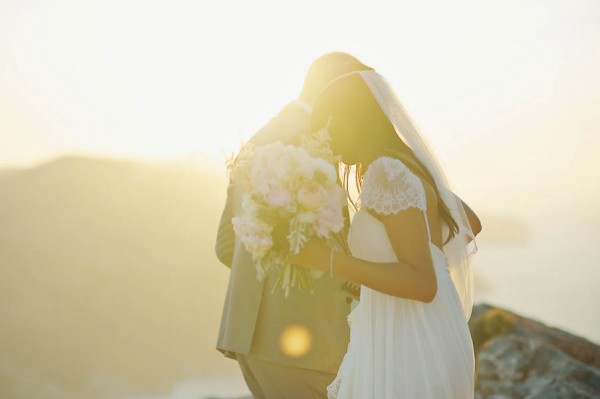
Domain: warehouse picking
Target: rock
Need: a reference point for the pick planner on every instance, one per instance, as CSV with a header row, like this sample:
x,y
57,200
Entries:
x,y
518,357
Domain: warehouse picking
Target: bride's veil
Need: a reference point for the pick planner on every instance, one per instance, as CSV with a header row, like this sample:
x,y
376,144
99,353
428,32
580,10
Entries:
x,y
462,246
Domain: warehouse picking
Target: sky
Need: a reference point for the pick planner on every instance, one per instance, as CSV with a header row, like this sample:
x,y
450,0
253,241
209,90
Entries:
x,y
507,93
159,79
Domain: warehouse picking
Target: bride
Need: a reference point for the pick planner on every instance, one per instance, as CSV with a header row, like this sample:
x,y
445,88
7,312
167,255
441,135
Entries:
x,y
411,241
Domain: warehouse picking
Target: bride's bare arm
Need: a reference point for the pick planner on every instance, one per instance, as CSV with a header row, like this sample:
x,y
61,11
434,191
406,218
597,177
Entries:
x,y
413,276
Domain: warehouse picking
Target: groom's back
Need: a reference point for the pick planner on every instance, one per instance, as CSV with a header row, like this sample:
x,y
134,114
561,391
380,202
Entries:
x,y
256,322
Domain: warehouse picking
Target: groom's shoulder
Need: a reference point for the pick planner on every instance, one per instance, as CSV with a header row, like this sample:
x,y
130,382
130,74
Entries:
x,y
295,108
290,120
291,113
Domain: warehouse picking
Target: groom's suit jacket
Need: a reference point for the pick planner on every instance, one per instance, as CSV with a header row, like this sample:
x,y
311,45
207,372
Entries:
x,y
254,319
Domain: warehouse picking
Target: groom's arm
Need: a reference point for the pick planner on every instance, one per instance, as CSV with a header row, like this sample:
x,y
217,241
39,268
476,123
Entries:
x,y
225,234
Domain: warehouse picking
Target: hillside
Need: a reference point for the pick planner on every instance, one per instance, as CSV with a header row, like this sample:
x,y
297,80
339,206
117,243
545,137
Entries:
x,y
108,281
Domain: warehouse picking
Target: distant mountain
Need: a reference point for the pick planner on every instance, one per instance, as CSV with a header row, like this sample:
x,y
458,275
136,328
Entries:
x,y
8,172
108,280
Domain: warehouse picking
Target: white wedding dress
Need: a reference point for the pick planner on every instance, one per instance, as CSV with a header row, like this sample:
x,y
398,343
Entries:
x,y
402,348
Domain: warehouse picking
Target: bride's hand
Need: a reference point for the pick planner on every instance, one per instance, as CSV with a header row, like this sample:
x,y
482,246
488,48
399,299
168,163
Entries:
x,y
314,255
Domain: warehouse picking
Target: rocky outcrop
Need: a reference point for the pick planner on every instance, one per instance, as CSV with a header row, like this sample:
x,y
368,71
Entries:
x,y
517,357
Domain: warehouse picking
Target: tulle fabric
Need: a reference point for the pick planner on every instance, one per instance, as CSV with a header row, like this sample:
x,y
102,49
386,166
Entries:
x,y
459,250
402,348
463,246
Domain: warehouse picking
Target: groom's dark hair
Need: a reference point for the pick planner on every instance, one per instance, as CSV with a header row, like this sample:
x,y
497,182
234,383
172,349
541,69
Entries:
x,y
326,68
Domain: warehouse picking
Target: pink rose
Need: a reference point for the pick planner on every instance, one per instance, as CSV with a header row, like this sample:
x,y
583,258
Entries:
x,y
280,197
311,195
328,220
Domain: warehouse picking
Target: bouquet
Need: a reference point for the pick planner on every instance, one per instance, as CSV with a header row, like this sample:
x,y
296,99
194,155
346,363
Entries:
x,y
292,194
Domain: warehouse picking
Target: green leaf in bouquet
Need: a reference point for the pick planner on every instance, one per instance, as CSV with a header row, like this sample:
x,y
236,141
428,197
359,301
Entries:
x,y
297,236
292,276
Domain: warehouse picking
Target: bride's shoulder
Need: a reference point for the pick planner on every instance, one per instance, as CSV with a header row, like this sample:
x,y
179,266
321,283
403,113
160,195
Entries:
x,y
389,186
390,169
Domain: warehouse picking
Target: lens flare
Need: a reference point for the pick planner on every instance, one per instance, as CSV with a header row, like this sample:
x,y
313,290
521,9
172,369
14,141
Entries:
x,y
296,341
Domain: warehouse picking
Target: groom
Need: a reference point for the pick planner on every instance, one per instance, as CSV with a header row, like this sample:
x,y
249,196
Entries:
x,y
286,347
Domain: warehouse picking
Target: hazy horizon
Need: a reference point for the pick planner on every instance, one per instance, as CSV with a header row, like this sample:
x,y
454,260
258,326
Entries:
x,y
110,285
507,232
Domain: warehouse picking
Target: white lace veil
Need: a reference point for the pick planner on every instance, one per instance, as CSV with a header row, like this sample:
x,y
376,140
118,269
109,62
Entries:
x,y
458,250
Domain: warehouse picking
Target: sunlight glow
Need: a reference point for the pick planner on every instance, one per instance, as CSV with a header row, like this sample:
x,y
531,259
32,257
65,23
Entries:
x,y
159,80
108,273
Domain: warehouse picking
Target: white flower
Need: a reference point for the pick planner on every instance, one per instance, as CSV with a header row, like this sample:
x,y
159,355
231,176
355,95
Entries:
x,y
336,197
330,219
326,172
255,235
249,205
279,197
311,195
311,168
306,218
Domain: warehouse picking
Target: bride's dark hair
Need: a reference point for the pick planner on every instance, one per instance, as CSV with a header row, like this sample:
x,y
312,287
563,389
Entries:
x,y
360,129
326,68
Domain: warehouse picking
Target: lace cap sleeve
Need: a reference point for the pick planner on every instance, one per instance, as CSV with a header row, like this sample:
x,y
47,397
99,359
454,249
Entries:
x,y
389,186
